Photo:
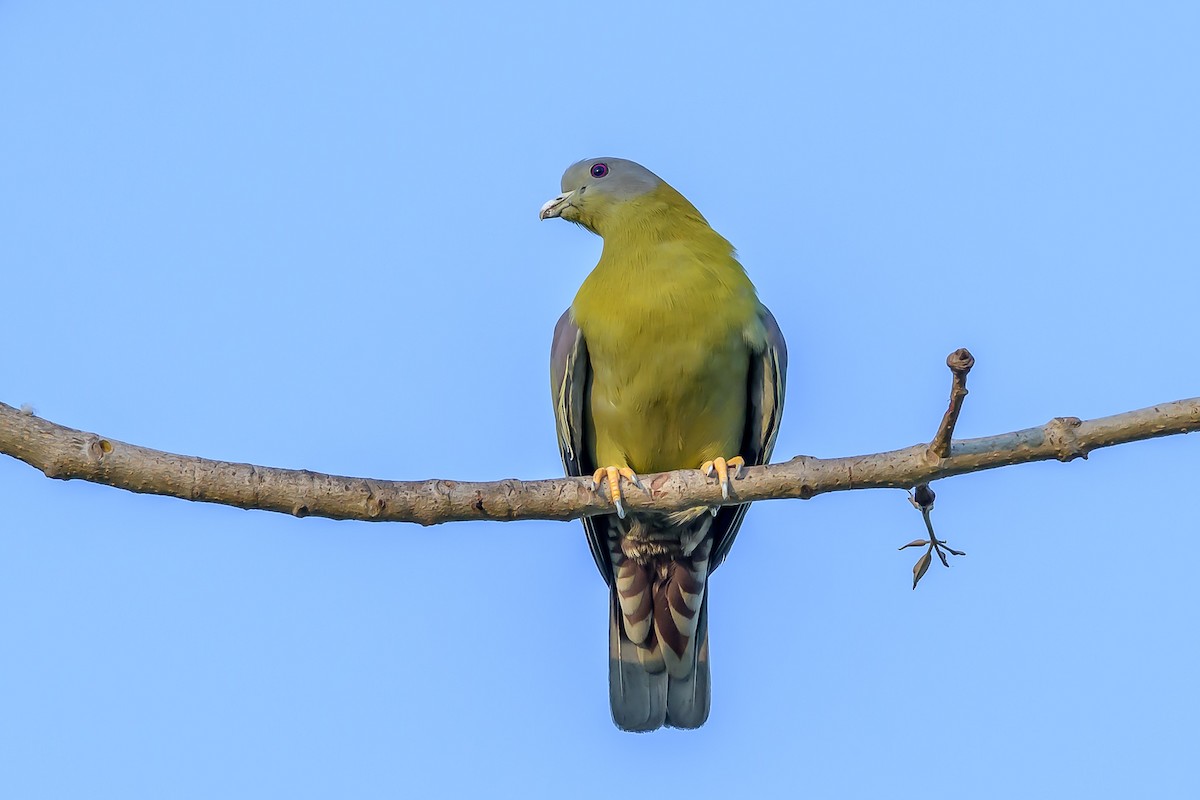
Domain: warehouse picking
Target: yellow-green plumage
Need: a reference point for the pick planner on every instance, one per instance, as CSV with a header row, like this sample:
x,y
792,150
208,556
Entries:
x,y
664,361
670,318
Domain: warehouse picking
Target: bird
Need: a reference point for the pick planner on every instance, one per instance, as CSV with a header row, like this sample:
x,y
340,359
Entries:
x,y
665,360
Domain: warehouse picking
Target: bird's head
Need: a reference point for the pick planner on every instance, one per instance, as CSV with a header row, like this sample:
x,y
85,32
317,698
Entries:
x,y
597,190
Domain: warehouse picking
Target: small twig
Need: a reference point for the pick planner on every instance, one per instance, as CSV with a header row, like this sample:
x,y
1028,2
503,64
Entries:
x,y
922,497
960,363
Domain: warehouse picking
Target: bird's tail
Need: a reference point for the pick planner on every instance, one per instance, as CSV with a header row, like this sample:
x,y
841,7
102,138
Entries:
x,y
658,643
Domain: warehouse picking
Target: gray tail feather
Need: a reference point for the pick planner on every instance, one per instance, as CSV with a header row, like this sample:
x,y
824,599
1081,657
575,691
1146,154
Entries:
x,y
638,696
643,696
688,698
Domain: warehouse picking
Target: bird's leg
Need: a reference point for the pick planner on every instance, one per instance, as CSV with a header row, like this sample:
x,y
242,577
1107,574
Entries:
x,y
722,468
613,475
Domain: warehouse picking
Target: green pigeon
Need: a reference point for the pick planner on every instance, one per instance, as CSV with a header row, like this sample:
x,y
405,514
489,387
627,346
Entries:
x,y
666,360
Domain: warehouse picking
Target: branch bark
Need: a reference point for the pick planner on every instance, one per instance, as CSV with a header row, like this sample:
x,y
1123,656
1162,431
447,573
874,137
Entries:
x,y
65,453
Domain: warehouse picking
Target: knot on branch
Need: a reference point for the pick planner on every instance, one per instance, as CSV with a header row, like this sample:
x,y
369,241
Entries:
x,y
98,448
373,505
960,360
1062,433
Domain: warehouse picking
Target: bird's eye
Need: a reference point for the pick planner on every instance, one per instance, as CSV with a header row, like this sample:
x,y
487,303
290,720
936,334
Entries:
x,y
599,170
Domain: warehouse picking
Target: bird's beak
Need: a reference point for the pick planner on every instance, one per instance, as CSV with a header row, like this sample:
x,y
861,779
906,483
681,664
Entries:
x,y
554,208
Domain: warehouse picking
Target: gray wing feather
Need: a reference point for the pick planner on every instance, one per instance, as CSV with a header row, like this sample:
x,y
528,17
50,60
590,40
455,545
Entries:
x,y
570,377
764,408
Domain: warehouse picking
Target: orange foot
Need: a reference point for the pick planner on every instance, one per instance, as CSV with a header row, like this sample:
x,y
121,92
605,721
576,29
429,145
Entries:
x,y
613,475
722,468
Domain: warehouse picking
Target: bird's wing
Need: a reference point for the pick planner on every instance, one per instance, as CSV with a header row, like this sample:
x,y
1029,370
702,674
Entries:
x,y
570,379
764,407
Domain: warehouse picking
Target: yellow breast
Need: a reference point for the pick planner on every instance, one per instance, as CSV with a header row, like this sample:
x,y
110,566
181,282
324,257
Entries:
x,y
669,323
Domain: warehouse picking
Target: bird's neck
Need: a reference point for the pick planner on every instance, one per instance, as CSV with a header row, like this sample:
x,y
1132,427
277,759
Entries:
x,y
660,255
659,216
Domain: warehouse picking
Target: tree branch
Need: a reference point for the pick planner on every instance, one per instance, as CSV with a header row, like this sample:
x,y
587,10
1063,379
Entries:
x,y
66,454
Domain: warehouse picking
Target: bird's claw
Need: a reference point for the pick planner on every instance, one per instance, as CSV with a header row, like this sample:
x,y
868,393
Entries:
x,y
722,467
613,477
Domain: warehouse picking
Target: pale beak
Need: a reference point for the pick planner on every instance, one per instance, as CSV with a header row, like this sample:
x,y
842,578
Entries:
x,y
554,208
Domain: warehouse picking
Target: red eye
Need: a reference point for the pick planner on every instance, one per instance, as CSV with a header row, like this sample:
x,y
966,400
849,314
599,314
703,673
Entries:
x,y
599,170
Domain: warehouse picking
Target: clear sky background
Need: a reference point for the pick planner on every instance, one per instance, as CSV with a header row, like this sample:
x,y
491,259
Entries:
x,y
305,235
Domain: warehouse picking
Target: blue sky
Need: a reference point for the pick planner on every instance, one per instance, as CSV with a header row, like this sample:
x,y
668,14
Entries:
x,y
306,236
